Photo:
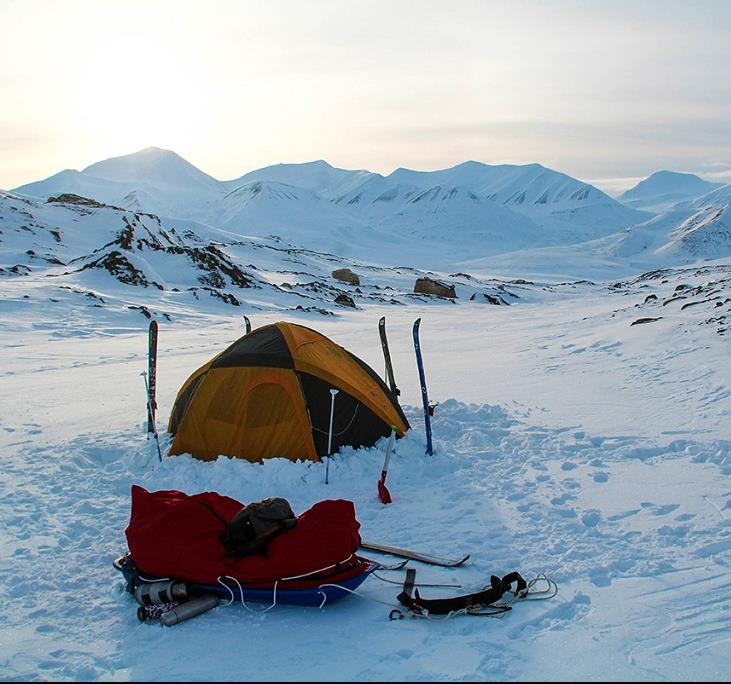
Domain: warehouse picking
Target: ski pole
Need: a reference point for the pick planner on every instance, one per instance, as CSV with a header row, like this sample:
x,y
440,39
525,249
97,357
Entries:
x,y
333,392
149,408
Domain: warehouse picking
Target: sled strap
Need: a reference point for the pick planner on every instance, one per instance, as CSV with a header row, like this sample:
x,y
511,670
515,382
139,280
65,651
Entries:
x,y
405,596
498,587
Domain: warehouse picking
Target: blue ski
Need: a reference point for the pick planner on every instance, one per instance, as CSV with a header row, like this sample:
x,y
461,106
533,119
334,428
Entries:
x,y
422,380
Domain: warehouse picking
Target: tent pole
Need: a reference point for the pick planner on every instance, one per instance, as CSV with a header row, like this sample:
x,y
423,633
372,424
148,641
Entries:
x,y
333,392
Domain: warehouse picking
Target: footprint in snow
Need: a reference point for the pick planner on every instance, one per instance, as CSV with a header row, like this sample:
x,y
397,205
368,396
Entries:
x,y
664,510
622,516
659,510
591,517
600,477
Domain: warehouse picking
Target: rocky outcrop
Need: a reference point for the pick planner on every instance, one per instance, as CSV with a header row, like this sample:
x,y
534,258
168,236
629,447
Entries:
x,y
345,300
640,321
71,198
488,298
345,275
434,287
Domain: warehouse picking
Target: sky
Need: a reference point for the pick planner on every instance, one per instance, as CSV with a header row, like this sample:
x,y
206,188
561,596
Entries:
x,y
607,92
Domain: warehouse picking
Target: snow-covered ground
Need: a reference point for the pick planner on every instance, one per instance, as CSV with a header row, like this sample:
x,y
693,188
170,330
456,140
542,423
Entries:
x,y
567,441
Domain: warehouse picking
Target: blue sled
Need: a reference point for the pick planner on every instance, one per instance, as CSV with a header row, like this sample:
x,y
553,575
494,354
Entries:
x,y
330,590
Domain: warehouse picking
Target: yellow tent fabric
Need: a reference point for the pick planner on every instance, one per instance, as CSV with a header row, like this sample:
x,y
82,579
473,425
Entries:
x,y
268,395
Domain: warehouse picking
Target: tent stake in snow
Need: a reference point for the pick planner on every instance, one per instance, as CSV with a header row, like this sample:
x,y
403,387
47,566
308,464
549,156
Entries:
x,y
149,408
333,392
383,494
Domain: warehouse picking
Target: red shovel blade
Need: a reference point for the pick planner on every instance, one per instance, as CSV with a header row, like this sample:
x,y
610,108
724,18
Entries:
x,y
383,493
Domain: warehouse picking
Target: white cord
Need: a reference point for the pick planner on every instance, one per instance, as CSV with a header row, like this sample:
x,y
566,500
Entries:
x,y
276,583
350,591
225,586
241,595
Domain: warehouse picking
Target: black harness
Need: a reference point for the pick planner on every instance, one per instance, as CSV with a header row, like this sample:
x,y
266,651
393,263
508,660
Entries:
x,y
474,604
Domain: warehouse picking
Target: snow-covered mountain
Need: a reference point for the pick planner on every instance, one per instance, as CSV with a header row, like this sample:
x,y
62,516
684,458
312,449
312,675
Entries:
x,y
155,180
155,167
269,207
319,176
661,190
465,221
508,219
376,197
717,197
291,199
569,210
71,181
688,231
517,185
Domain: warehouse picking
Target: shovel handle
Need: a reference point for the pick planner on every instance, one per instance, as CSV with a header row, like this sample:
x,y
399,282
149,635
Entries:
x,y
388,450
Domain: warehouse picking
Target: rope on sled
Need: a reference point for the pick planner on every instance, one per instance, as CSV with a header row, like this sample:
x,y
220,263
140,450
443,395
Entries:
x,y
276,583
241,594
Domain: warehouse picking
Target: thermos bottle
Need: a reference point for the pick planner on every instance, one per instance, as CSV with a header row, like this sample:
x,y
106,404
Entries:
x,y
154,593
189,609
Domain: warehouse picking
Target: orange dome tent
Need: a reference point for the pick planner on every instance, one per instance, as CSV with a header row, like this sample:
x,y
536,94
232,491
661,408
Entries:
x,y
268,395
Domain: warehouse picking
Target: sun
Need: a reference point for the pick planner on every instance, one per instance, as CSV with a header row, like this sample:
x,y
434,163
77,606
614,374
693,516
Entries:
x,y
137,95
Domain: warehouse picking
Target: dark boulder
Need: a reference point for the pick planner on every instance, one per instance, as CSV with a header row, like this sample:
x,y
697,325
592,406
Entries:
x,y
345,300
434,287
345,275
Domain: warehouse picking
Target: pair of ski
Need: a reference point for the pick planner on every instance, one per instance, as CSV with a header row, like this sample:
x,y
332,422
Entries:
x,y
422,379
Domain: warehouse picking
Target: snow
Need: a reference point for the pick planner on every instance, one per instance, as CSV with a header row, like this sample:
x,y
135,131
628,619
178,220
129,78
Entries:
x,y
567,442
663,189
317,176
581,432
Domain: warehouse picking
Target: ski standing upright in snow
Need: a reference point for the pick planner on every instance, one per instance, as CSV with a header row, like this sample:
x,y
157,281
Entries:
x,y
387,356
152,374
422,382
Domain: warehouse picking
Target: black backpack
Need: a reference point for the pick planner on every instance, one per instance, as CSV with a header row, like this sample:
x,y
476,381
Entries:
x,y
255,525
